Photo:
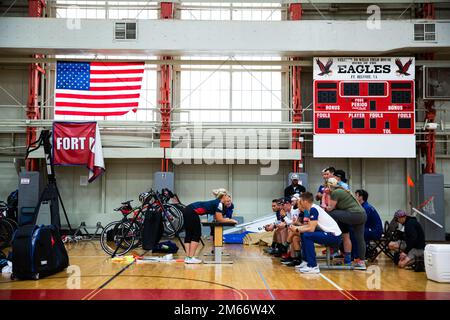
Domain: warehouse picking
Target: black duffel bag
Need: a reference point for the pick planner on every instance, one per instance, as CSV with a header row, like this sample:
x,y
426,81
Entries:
x,y
37,252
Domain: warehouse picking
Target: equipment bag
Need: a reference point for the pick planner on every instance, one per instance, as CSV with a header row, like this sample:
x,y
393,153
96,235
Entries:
x,y
165,247
38,252
12,202
153,228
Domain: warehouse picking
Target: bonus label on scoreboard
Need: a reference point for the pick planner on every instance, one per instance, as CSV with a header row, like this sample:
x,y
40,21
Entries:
x,y
364,96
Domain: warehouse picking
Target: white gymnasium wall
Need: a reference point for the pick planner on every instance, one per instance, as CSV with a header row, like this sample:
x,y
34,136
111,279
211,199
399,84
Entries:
x,y
252,193
443,166
14,91
8,178
123,180
385,180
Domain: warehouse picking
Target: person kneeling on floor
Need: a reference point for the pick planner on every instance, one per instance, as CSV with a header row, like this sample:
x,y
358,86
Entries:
x,y
330,233
412,248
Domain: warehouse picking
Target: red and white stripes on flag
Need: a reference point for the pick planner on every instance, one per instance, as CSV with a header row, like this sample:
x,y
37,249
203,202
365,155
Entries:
x,y
97,88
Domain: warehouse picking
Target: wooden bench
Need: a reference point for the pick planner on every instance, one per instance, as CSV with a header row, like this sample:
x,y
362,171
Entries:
x,y
218,241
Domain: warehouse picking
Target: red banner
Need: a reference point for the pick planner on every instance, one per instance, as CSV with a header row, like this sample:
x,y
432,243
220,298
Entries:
x,y
78,144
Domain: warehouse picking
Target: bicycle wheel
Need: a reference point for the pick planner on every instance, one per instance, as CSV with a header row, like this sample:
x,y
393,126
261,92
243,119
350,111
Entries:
x,y
119,237
6,234
173,221
13,223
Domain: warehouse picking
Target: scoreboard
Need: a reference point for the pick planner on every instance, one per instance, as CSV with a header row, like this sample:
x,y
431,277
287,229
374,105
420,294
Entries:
x,y
365,97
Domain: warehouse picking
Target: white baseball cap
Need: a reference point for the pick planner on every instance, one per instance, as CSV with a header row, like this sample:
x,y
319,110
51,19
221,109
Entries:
x,y
294,176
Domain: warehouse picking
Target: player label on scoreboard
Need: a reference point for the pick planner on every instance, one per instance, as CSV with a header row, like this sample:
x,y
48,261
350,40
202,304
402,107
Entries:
x,y
364,107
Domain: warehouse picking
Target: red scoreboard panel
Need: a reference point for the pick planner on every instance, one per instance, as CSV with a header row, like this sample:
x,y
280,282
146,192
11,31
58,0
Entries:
x,y
364,107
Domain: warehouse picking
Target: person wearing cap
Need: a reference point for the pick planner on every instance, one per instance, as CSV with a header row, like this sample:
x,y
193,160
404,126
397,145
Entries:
x,y
294,187
288,216
279,234
340,177
414,240
294,200
348,212
294,257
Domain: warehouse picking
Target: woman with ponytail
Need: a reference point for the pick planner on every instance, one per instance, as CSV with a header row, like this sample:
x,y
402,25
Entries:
x,y
192,225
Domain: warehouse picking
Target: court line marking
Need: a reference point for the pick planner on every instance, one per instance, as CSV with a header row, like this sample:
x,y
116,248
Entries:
x,y
95,292
266,285
344,292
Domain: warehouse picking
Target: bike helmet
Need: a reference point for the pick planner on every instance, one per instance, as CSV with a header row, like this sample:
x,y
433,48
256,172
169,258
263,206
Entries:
x,y
143,196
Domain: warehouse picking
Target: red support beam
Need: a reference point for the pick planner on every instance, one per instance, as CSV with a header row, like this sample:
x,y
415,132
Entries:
x,y
167,10
427,11
430,146
35,10
295,13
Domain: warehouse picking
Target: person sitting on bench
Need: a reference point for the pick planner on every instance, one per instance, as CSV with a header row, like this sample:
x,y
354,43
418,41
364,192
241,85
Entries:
x,y
323,193
412,249
373,229
192,223
329,234
293,241
346,210
279,234
289,215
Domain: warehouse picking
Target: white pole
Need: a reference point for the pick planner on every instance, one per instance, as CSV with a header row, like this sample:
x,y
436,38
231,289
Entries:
x,y
425,216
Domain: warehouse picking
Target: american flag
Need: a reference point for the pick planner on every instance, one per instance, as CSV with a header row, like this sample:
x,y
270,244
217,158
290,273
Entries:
x,y
97,88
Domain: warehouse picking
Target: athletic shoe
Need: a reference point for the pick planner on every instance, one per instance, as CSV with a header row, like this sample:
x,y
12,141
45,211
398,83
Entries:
x,y
293,263
310,270
286,262
285,255
301,265
192,260
360,265
268,250
275,251
287,259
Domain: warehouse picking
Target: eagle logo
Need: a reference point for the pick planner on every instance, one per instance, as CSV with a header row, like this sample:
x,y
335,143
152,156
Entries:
x,y
403,69
324,69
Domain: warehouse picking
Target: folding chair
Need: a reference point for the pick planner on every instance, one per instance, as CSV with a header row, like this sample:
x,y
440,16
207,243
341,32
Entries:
x,y
390,233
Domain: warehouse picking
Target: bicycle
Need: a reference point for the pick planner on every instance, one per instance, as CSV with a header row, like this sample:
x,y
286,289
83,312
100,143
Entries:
x,y
7,226
119,237
113,236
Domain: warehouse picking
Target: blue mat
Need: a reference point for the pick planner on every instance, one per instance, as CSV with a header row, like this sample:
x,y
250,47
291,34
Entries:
x,y
235,237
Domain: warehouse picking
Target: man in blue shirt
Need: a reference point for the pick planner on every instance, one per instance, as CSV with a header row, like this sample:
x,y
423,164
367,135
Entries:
x,y
342,180
374,226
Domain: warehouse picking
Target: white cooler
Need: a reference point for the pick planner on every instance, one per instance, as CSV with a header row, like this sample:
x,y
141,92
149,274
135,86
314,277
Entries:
x,y
437,262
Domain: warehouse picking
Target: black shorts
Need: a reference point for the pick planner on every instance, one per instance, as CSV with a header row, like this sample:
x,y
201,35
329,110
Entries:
x,y
192,225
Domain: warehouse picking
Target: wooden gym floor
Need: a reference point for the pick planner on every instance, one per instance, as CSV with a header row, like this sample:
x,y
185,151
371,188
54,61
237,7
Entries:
x,y
254,275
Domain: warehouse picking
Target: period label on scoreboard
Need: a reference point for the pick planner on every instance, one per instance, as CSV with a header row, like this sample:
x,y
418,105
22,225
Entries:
x,y
364,96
